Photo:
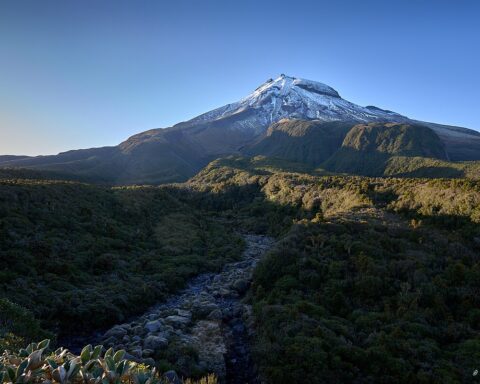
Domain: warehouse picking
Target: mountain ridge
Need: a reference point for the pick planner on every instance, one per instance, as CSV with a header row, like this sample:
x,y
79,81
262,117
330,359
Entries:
x,y
176,153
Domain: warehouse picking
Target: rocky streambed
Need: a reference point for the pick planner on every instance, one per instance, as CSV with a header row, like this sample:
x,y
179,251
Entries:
x,y
204,328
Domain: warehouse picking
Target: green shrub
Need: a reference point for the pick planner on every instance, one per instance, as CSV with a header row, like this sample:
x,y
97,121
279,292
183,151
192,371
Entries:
x,y
17,326
37,364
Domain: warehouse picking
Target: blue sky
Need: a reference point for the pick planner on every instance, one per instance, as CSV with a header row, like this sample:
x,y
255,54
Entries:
x,y
77,74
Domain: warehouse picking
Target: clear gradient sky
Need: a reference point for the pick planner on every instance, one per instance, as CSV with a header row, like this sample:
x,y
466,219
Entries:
x,y
78,74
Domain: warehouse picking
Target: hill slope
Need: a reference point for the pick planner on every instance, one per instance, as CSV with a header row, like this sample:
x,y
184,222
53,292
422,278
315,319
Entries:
x,y
82,257
367,148
309,142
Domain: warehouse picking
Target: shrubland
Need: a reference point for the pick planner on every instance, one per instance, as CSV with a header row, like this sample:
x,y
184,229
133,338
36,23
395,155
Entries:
x,y
79,257
373,279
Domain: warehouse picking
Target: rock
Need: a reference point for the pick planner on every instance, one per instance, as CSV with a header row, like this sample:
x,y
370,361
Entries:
x,y
126,339
171,377
130,357
136,339
155,342
238,328
153,326
148,352
110,342
210,345
137,352
184,313
116,332
227,313
215,315
138,330
177,321
224,292
241,286
203,309
149,361
237,311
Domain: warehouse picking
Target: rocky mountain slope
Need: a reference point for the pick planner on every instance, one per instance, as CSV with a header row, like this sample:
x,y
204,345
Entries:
x,y
176,153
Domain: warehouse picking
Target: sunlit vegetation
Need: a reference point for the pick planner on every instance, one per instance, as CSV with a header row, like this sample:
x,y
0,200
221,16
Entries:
x,y
38,363
373,280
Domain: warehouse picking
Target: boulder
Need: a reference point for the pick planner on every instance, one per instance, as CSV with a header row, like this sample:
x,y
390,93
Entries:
x,y
171,377
184,313
130,357
155,342
208,342
227,313
110,342
216,314
177,321
137,352
153,326
116,332
223,292
241,286
202,309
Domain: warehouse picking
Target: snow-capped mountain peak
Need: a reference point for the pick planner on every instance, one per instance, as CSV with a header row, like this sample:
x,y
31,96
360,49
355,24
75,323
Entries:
x,y
292,98
284,84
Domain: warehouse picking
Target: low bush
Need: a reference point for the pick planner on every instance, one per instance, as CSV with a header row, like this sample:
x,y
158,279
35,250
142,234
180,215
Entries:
x,y
38,364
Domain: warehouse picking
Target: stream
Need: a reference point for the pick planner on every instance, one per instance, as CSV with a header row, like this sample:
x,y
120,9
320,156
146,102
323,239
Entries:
x,y
204,327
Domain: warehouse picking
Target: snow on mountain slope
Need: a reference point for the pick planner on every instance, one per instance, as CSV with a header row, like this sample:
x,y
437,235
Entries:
x,y
178,152
293,98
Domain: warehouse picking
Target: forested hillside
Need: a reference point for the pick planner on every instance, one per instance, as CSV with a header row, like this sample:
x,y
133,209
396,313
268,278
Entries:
x,y
80,257
371,279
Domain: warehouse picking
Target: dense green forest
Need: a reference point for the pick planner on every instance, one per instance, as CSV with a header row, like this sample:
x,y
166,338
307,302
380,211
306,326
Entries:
x,y
78,257
371,301
371,279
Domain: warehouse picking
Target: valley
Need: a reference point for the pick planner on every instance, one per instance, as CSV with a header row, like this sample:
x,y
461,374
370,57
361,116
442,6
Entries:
x,y
199,330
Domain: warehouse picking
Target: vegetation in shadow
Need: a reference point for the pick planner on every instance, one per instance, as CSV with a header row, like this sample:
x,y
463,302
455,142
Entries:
x,y
373,279
81,257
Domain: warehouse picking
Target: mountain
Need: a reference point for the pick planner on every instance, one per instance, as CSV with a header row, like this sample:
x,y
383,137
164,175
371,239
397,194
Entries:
x,y
254,125
292,98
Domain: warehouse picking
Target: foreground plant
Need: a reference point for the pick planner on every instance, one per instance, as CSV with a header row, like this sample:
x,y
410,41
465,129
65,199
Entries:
x,y
35,364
